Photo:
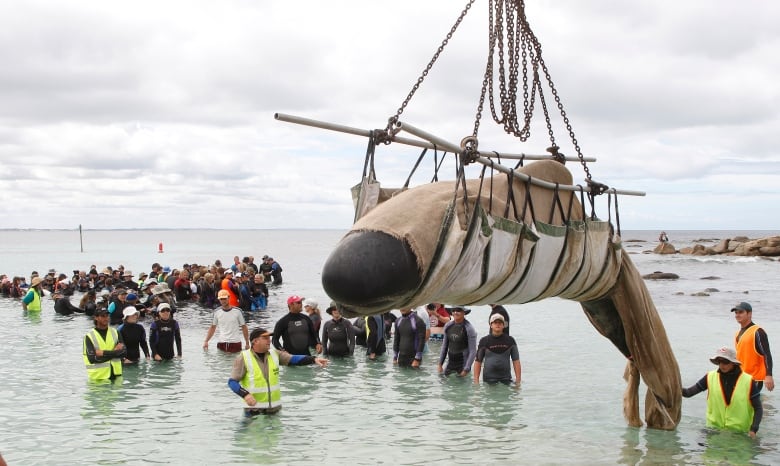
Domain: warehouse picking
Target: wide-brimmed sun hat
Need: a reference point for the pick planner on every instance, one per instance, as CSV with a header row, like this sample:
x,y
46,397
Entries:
x,y
725,353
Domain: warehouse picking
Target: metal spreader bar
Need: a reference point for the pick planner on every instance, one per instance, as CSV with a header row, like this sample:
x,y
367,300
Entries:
x,y
446,145
408,141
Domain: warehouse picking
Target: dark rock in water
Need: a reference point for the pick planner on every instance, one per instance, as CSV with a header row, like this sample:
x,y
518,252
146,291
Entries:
x,y
633,241
679,293
711,290
700,293
661,276
710,277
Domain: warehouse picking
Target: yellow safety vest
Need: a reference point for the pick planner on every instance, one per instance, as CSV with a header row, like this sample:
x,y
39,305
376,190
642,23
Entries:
x,y
267,393
35,304
737,415
102,370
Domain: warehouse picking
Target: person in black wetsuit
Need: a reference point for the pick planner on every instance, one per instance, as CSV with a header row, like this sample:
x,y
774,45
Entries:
x,y
375,336
409,339
498,353
338,336
296,330
359,325
499,309
62,305
163,333
134,336
459,347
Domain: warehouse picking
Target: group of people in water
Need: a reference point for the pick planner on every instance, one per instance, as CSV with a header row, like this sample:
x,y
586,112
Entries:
x,y
300,336
115,288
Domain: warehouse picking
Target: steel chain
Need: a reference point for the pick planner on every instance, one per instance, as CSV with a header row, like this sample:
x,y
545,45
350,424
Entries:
x,y
393,120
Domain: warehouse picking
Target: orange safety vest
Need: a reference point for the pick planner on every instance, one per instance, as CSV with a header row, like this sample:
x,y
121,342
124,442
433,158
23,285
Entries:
x,y
753,363
233,299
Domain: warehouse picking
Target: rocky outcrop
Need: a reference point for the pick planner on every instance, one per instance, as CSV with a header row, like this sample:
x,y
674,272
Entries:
x,y
661,276
737,246
665,248
759,247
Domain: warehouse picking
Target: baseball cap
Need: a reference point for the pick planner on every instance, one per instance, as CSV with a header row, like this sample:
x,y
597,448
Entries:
x,y
496,317
223,294
743,306
294,299
260,332
163,306
128,311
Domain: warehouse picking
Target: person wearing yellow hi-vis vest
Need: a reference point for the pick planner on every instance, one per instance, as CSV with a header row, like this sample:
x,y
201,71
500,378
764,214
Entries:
x,y
255,373
103,350
733,397
32,300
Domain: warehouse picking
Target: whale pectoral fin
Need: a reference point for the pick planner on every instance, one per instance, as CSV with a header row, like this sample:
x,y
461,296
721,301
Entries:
x,y
606,319
649,347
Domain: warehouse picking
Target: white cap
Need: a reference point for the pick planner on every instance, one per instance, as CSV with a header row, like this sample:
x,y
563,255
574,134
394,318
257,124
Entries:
x,y
128,311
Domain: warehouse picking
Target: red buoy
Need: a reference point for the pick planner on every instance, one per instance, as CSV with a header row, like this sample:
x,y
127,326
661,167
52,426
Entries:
x,y
160,248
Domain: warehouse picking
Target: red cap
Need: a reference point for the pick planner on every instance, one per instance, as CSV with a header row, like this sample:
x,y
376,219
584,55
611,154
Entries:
x,y
294,299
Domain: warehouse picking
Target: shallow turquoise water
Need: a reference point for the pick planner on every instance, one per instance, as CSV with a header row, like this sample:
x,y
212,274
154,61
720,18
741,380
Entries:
x,y
568,411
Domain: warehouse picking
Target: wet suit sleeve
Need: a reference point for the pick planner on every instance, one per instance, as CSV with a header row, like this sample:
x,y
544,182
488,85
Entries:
x,y
287,359
144,346
314,339
110,354
89,349
350,336
472,336
177,337
325,329
758,408
695,389
372,342
481,350
420,340
762,347
300,360
154,337
396,340
280,324
444,344
236,374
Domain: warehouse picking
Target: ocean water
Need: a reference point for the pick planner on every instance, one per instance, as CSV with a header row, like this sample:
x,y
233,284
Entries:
x,y
568,410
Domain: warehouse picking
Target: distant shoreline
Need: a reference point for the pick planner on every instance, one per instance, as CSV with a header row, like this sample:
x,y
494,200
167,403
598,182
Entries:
x,y
730,231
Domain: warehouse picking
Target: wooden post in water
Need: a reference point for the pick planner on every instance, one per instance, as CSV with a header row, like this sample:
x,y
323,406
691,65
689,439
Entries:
x,y
81,239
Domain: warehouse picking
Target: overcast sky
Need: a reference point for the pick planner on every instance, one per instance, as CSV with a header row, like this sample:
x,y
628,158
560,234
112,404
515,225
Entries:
x,y
159,114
